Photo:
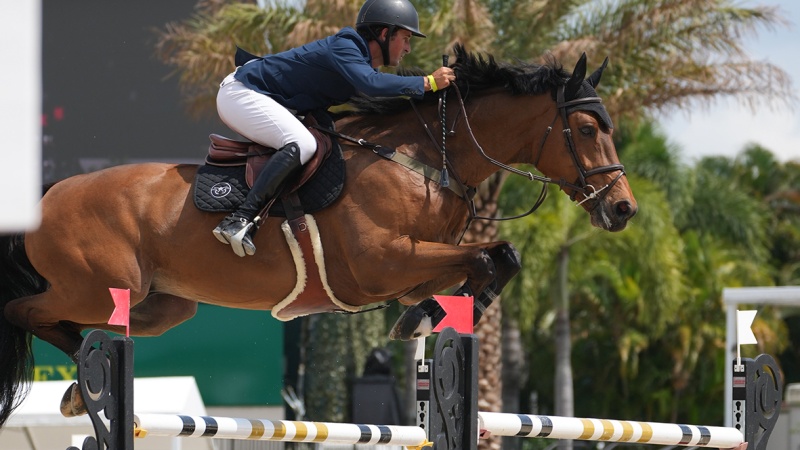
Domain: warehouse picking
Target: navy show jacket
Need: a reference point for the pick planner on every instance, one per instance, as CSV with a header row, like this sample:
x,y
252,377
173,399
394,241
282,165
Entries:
x,y
324,73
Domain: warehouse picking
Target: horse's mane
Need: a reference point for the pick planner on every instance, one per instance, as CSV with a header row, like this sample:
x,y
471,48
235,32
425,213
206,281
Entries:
x,y
474,72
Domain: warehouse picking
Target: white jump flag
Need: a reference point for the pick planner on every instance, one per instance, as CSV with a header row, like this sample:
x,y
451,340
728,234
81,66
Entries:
x,y
744,334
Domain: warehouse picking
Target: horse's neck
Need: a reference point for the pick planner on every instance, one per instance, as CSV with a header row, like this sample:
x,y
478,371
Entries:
x,y
403,132
508,128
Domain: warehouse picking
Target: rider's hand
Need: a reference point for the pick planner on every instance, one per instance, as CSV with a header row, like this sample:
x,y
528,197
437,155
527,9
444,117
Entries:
x,y
442,78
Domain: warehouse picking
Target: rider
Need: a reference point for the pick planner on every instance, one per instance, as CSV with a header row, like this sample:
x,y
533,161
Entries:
x,y
261,98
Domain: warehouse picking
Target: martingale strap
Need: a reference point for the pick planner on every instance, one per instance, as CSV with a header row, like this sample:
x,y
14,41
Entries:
x,y
417,166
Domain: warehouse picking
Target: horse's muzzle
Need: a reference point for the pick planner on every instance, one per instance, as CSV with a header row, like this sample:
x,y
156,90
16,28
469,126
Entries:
x,y
613,216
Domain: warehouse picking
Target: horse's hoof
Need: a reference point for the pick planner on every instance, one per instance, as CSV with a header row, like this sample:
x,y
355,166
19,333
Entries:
x,y
415,322
72,403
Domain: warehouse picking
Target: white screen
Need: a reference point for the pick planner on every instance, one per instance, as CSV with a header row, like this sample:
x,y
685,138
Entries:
x,y
20,114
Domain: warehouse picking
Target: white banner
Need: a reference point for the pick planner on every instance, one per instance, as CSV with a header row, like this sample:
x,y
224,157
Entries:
x,y
20,114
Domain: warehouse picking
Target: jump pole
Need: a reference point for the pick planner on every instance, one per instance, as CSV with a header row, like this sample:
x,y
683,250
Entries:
x,y
554,427
451,419
276,430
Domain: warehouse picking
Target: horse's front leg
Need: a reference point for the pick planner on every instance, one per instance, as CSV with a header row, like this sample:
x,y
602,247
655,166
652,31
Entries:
x,y
420,319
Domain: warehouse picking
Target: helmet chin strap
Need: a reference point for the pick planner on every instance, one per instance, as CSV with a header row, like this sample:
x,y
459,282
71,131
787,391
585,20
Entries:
x,y
385,44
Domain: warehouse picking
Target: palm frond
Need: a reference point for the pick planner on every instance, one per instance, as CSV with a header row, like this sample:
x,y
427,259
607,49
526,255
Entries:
x,y
667,54
201,48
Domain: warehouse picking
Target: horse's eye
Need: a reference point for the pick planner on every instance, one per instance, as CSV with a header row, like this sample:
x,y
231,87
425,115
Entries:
x,y
587,130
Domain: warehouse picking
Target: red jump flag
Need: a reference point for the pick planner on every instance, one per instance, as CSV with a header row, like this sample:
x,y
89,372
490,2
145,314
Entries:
x,y
122,309
458,312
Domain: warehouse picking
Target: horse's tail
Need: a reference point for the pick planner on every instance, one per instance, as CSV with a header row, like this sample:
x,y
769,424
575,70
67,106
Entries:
x,y
18,279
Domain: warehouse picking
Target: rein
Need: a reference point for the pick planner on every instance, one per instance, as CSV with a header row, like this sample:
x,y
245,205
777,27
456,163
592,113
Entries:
x,y
467,193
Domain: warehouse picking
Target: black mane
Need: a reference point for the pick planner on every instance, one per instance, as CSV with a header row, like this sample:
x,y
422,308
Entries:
x,y
474,72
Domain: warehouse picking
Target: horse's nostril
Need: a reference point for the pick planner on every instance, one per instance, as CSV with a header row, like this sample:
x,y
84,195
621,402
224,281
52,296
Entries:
x,y
624,209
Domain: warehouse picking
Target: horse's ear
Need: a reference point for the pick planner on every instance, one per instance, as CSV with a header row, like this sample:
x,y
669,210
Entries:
x,y
575,81
594,78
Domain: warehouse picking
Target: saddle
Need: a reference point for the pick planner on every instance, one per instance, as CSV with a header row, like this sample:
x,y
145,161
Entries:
x,y
230,170
227,152
222,184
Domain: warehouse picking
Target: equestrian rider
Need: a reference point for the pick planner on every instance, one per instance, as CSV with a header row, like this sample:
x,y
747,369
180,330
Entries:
x,y
261,98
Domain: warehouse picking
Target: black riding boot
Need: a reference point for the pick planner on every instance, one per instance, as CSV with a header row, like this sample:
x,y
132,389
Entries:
x,y
236,229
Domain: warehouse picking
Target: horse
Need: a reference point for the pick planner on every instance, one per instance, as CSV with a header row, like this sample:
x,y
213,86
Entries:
x,y
393,233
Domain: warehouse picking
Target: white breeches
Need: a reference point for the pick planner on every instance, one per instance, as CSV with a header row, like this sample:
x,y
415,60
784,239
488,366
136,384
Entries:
x,y
261,119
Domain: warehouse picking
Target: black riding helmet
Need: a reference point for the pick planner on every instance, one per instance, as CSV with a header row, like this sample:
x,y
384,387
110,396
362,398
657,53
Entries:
x,y
392,14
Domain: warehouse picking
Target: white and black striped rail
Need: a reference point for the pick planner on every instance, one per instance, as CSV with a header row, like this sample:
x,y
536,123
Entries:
x,y
174,425
555,427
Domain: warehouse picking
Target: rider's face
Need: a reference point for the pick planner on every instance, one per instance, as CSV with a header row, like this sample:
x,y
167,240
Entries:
x,y
399,46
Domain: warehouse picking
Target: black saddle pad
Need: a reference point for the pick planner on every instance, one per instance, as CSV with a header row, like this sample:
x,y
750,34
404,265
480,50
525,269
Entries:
x,y
223,189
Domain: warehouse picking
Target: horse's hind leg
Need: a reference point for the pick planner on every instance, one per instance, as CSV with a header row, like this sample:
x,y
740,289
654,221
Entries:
x,y
420,319
37,314
154,315
43,316
157,313
40,315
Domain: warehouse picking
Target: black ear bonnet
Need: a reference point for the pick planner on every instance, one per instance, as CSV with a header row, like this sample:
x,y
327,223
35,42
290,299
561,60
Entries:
x,y
586,90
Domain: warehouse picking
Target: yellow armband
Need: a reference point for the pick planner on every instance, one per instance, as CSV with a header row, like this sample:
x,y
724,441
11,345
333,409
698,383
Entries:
x,y
432,82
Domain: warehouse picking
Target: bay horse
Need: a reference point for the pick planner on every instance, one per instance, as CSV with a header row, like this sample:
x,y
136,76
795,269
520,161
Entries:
x,y
392,234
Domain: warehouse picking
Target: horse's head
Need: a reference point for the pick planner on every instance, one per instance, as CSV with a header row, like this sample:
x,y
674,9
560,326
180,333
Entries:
x,y
583,159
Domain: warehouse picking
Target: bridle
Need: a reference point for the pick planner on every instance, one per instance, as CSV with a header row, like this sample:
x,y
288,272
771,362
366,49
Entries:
x,y
583,174
579,186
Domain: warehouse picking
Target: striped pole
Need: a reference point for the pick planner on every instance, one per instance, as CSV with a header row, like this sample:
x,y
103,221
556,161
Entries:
x,y
523,425
277,430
